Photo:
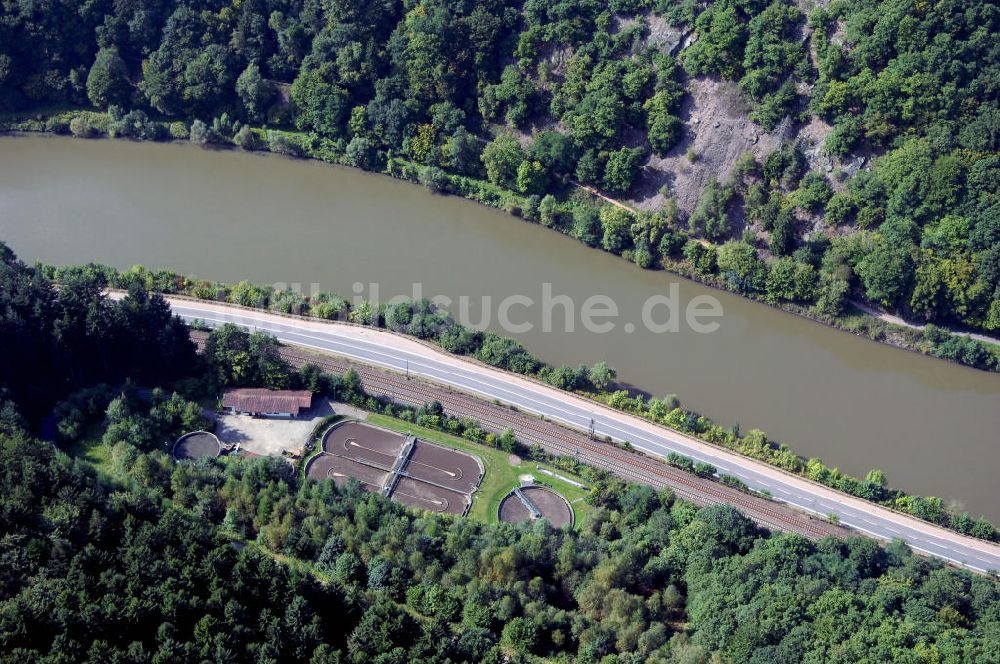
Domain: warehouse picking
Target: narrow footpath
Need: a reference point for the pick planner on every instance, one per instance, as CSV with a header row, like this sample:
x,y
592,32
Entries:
x,y
896,320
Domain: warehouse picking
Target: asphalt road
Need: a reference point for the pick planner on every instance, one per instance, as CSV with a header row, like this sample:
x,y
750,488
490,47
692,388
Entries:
x,y
387,350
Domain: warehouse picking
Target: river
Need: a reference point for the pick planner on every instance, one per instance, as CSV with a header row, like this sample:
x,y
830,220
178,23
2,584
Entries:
x,y
224,215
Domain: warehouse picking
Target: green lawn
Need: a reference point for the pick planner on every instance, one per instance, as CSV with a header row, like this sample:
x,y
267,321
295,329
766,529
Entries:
x,y
92,449
500,476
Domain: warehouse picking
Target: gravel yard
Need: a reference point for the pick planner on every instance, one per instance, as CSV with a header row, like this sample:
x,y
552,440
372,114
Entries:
x,y
265,435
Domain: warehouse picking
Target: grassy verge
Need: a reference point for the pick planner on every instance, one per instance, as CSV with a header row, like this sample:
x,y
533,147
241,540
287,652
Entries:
x,y
92,449
304,463
317,438
500,476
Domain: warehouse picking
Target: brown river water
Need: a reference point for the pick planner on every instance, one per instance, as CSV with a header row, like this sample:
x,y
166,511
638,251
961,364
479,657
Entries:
x,y
934,427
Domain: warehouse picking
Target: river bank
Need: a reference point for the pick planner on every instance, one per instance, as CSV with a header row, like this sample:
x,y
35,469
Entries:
x,y
975,350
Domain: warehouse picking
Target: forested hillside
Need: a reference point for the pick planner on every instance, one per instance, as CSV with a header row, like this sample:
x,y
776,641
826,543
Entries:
x,y
53,342
824,152
158,572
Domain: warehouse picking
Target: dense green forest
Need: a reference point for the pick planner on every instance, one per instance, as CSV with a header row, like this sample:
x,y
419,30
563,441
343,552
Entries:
x,y
494,100
240,559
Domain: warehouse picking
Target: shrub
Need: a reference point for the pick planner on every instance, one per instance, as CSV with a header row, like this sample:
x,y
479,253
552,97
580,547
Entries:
x,y
643,257
200,133
279,143
434,179
681,461
548,211
702,469
710,215
616,224
621,169
734,482
671,244
57,125
742,267
82,127
107,81
814,192
205,292
840,208
968,351
702,258
225,126
586,225
245,138
328,305
135,124
179,131
360,153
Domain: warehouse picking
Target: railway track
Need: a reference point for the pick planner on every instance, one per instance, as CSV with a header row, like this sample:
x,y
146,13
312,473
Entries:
x,y
629,465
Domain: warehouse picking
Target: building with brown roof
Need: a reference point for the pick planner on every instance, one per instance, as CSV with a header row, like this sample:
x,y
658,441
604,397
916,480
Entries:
x,y
265,402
